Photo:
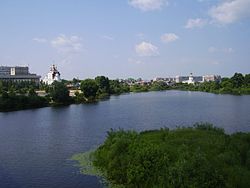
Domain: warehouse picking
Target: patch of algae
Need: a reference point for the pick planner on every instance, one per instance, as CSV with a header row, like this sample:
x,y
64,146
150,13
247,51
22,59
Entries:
x,y
85,163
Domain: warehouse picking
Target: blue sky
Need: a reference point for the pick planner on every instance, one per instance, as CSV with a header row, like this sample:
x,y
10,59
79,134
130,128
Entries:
x,y
126,38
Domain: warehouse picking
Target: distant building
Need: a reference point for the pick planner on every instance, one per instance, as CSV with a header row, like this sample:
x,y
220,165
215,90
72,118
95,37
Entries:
x,y
18,74
180,79
53,75
189,79
211,78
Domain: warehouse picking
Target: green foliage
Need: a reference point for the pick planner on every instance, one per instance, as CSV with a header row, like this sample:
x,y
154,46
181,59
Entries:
x,y
17,86
79,97
247,80
59,93
32,92
1,87
198,156
236,85
139,88
159,86
117,87
237,80
17,102
103,85
89,88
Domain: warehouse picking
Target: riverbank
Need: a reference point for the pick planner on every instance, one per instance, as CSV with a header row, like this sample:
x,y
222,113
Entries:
x,y
198,156
14,97
22,102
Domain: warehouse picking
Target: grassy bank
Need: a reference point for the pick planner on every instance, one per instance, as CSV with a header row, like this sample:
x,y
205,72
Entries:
x,y
201,156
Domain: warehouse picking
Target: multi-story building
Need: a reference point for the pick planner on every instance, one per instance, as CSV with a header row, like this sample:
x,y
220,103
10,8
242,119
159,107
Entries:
x,y
18,74
211,78
4,70
196,79
180,79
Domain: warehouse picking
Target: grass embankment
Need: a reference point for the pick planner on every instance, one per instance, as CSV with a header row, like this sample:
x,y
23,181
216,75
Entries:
x,y
201,156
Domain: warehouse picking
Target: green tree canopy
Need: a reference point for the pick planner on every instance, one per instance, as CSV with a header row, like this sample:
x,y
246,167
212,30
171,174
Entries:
x,y
237,80
247,80
59,92
103,84
89,88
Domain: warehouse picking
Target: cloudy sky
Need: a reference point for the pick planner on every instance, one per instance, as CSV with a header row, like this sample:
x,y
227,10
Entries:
x,y
126,38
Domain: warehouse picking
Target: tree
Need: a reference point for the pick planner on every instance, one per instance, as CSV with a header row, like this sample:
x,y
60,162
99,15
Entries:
x,y
247,80
32,92
59,93
89,88
103,84
158,86
237,80
1,87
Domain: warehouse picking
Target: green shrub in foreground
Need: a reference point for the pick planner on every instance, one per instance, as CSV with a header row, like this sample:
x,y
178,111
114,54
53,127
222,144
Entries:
x,y
202,156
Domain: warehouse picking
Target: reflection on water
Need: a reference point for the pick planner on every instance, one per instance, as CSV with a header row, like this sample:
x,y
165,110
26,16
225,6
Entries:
x,y
35,145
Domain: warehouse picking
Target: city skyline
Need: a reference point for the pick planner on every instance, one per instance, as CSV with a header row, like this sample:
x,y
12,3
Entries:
x,y
130,38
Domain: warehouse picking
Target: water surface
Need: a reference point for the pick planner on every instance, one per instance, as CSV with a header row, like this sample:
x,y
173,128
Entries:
x,y
35,145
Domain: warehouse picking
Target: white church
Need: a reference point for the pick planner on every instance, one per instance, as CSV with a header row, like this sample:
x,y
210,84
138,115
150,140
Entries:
x,y
190,79
53,75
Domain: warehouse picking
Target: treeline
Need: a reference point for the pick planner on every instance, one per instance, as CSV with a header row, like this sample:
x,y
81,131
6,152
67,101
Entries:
x,y
99,88
238,84
11,101
18,96
201,156
21,95
154,86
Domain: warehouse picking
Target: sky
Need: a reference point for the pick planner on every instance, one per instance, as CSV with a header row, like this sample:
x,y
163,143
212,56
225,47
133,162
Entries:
x,y
126,38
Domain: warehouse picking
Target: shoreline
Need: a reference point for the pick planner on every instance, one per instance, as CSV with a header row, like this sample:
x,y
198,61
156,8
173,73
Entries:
x,y
55,105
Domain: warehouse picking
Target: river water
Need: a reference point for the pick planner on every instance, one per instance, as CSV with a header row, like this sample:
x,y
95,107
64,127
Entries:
x,y
36,145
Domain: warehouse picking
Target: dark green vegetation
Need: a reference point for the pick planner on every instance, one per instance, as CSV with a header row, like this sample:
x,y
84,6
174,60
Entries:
x,y
201,156
10,101
17,96
59,94
101,87
236,85
154,86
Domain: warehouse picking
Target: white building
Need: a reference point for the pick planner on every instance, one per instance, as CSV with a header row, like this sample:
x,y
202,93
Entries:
x,y
211,78
53,75
190,79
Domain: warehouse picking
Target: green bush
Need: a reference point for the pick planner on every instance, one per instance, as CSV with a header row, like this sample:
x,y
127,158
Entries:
x,y
198,156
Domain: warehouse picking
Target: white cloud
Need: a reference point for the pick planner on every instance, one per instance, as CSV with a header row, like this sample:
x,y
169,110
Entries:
x,y
67,45
230,11
40,40
146,49
106,37
148,5
169,37
213,49
198,22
